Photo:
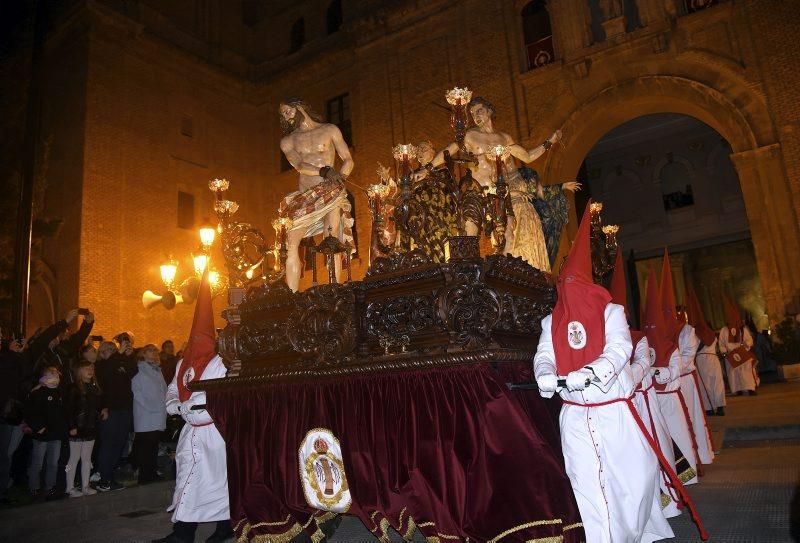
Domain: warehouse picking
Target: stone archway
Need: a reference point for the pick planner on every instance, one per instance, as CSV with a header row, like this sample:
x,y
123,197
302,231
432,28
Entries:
x,y
758,161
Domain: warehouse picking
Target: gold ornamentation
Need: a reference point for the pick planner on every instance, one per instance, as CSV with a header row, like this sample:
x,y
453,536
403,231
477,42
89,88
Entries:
x,y
322,472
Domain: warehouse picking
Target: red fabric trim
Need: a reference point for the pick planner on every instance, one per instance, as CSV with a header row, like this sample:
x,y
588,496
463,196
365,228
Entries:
x,y
201,425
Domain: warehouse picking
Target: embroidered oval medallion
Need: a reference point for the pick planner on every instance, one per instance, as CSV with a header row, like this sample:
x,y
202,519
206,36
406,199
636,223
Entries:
x,y
576,335
322,472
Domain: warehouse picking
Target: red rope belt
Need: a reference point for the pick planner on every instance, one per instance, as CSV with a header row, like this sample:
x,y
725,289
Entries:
x,y
664,476
670,471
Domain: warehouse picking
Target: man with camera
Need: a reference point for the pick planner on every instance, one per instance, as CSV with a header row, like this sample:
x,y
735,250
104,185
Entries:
x,y
114,375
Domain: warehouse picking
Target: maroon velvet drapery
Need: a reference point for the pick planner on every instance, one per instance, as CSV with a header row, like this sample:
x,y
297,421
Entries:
x,y
447,450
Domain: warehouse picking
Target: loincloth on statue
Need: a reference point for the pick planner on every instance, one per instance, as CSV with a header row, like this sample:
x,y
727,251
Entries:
x,y
308,210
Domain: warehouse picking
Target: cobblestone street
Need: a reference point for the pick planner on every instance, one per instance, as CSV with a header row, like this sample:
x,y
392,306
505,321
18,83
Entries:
x,y
750,494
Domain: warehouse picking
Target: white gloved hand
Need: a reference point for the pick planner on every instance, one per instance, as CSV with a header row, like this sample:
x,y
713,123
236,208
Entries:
x,y
547,383
173,407
661,375
576,380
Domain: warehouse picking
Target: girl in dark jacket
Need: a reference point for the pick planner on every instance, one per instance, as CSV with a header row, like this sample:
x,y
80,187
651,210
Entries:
x,y
83,413
46,415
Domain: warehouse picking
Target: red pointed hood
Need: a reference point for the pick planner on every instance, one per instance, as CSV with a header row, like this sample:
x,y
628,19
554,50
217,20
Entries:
x,y
697,319
202,344
619,285
668,296
660,336
733,318
578,324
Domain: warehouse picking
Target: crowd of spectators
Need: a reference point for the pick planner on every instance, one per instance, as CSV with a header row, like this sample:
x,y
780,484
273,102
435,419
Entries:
x,y
72,402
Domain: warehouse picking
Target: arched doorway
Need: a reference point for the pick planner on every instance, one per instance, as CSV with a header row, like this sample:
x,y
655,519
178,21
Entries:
x,y
668,181
743,122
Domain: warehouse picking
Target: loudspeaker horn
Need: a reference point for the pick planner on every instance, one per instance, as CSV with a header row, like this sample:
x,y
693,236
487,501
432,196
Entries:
x,y
169,300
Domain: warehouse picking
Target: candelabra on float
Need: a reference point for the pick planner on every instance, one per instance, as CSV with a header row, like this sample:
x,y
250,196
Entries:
x,y
603,242
377,194
499,201
408,214
459,99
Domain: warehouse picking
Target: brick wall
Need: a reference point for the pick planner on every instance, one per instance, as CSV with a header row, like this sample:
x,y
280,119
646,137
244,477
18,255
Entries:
x,y
146,72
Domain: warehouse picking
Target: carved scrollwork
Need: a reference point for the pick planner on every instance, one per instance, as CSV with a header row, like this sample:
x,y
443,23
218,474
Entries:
x,y
262,338
322,326
398,261
404,315
521,315
516,270
470,311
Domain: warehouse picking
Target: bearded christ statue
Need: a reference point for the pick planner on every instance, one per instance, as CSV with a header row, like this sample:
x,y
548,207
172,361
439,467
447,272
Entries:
x,y
320,205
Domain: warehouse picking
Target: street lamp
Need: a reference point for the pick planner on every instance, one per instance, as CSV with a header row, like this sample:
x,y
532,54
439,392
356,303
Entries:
x,y
207,235
168,271
200,263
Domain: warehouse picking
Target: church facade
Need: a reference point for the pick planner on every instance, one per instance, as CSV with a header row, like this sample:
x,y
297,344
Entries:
x,y
146,101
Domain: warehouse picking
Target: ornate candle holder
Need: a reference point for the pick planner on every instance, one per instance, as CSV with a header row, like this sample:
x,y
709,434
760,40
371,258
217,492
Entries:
x,y
377,194
243,246
459,99
610,232
603,242
406,209
595,208
500,200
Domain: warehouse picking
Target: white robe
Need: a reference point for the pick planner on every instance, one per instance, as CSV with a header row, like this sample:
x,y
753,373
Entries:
x,y
671,408
688,342
201,481
650,412
710,370
607,458
744,377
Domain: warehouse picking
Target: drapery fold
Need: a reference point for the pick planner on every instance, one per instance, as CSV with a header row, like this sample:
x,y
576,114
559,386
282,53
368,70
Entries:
x,y
449,451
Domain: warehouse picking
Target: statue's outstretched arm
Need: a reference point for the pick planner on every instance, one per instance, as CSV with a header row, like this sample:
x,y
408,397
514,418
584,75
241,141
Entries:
x,y
438,160
342,150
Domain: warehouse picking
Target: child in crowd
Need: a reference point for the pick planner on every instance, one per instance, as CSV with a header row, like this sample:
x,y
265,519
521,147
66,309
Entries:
x,y
149,412
83,410
46,416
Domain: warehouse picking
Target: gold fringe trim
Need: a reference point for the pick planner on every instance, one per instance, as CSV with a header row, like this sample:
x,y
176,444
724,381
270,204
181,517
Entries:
x,y
523,526
553,539
572,526
687,475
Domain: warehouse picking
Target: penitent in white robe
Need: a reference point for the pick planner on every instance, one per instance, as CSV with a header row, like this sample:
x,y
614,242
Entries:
x,y
688,342
744,377
607,458
710,370
670,403
201,481
646,403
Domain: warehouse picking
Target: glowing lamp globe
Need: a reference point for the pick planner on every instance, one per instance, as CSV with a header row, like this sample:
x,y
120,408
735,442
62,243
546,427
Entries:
x,y
168,271
207,235
200,262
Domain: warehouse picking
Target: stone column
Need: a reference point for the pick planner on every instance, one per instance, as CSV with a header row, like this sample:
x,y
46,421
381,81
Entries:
x,y
773,226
